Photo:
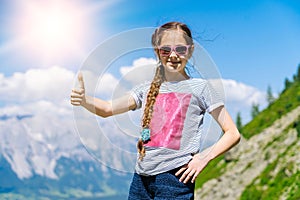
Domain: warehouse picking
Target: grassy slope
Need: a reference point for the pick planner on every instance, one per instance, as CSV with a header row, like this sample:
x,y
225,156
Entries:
x,y
287,101
270,185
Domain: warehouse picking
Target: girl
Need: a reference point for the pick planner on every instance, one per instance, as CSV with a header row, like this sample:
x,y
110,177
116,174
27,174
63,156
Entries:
x,y
174,105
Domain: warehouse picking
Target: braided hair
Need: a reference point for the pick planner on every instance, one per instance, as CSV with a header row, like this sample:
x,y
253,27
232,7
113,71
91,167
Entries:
x,y
159,76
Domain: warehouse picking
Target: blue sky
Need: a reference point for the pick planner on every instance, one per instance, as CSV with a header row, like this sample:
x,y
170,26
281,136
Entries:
x,y
43,44
254,42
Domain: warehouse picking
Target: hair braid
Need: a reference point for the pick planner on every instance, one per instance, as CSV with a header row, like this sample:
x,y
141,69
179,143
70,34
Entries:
x,y
149,107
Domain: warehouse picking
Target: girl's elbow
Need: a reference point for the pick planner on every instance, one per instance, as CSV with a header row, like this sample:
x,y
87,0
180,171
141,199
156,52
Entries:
x,y
104,112
107,111
105,115
237,136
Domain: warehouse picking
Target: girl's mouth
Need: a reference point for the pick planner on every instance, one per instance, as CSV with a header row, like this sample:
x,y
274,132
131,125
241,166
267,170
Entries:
x,y
174,65
174,62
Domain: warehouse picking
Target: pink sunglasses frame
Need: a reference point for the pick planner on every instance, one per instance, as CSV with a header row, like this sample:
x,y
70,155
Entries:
x,y
173,48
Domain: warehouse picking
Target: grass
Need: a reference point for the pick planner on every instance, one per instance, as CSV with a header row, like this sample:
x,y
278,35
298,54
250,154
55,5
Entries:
x,y
286,102
269,185
213,170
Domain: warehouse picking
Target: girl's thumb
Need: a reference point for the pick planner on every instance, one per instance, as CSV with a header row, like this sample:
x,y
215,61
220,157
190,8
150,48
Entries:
x,y
80,80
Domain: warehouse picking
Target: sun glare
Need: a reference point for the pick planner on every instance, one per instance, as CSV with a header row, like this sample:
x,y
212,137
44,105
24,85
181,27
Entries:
x,y
52,29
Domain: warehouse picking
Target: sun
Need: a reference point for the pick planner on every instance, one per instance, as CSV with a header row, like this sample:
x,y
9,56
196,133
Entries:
x,y
51,29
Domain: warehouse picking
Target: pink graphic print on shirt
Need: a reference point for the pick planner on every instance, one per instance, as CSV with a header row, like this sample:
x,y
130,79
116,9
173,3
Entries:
x,y
168,119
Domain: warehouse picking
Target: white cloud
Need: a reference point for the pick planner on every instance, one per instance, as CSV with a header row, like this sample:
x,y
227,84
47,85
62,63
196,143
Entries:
x,y
51,84
141,70
106,86
240,92
240,97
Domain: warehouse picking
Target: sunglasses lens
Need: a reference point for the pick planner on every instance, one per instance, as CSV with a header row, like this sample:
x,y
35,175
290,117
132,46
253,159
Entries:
x,y
165,50
181,50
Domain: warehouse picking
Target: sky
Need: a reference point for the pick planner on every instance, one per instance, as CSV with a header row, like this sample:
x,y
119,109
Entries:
x,y
254,42
43,45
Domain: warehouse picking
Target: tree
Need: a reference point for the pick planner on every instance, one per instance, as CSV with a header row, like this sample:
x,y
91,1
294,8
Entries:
x,y
287,83
239,124
270,97
254,110
298,73
296,76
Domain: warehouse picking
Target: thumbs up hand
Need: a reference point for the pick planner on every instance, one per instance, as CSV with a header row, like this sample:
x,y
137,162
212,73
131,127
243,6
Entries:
x,y
78,94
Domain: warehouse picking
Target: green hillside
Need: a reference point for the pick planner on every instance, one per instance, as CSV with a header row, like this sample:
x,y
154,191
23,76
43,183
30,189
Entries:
x,y
278,168
288,100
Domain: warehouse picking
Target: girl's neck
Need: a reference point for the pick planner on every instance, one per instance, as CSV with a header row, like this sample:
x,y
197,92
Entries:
x,y
176,77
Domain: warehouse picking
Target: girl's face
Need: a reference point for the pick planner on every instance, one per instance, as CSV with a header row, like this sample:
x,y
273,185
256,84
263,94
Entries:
x,y
174,51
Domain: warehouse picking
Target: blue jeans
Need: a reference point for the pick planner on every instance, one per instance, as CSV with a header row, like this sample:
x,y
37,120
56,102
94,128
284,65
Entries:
x,y
164,186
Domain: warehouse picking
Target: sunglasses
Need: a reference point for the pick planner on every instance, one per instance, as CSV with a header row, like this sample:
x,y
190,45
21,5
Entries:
x,y
180,50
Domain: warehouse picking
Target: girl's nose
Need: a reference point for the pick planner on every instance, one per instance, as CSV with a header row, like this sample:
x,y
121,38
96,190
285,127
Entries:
x,y
173,54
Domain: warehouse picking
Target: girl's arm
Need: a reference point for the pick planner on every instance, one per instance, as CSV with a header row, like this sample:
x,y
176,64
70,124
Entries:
x,y
230,138
99,106
231,134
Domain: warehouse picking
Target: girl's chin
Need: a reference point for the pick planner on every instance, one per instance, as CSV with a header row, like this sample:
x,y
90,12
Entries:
x,y
173,66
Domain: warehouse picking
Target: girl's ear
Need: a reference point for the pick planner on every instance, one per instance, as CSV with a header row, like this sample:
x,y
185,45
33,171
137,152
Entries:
x,y
156,52
191,51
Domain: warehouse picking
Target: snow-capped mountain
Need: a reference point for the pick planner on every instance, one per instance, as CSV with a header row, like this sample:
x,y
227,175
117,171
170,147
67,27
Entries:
x,y
44,152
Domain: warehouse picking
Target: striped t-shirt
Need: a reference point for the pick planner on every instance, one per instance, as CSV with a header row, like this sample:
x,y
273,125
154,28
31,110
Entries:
x,y
176,123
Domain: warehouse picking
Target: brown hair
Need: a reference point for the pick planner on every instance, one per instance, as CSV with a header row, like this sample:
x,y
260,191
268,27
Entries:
x,y
159,76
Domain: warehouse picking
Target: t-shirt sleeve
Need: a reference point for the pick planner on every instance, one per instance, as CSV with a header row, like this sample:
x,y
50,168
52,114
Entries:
x,y
138,93
212,97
